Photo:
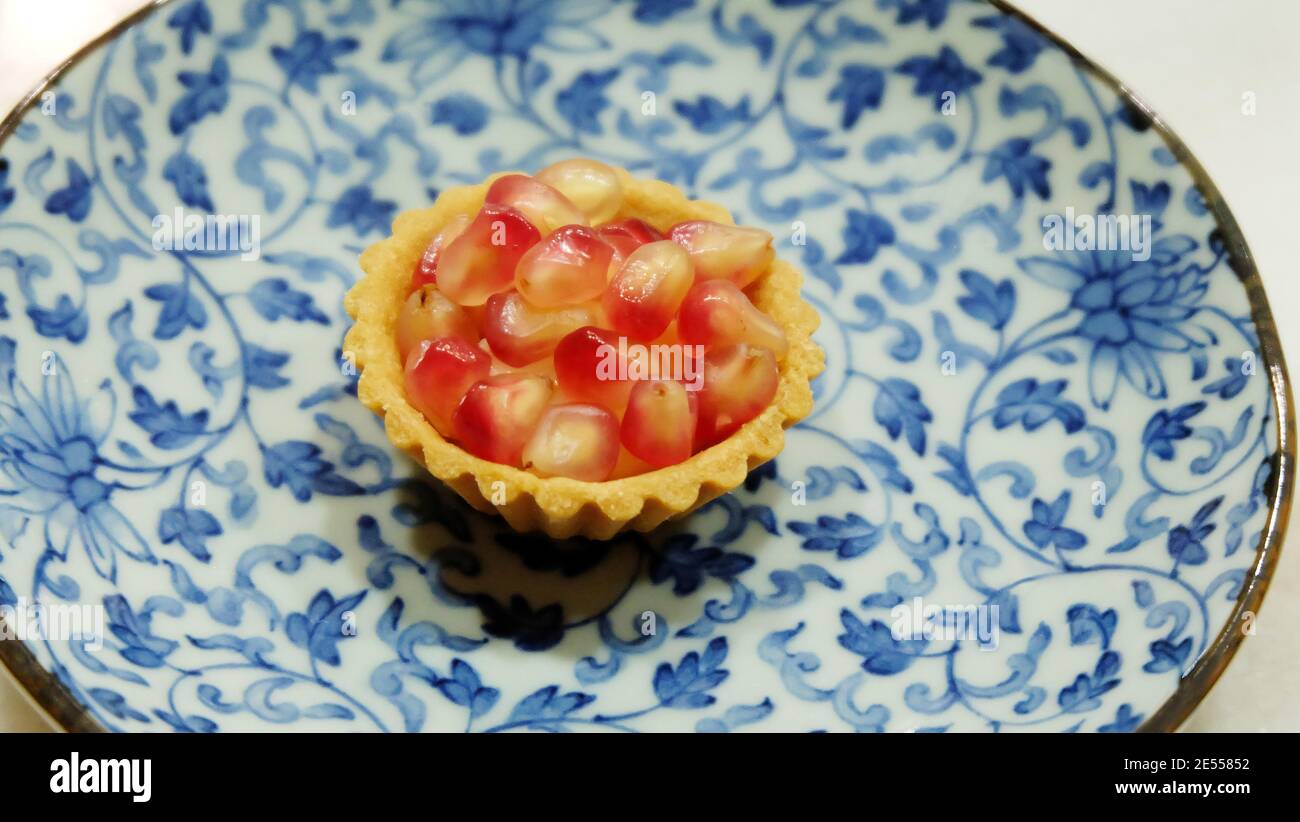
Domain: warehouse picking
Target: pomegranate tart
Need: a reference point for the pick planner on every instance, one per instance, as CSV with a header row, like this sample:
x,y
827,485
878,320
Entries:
x,y
580,351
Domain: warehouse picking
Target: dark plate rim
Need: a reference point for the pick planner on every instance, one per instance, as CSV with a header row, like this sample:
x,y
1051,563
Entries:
x,y
70,714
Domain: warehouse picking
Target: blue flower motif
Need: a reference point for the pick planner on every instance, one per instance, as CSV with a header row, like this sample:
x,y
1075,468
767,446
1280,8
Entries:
x,y
494,28
1132,310
50,467
1047,529
358,208
936,75
311,56
186,173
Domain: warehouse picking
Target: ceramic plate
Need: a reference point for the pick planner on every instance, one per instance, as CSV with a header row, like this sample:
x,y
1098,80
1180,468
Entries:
x,y
1043,487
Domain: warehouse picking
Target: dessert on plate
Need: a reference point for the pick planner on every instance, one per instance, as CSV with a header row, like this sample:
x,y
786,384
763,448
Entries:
x,y
581,351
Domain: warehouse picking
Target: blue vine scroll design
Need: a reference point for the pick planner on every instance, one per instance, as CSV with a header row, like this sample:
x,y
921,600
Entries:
x,y
1074,437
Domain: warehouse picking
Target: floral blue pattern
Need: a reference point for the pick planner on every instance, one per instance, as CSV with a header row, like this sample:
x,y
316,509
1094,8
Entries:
x,y
999,424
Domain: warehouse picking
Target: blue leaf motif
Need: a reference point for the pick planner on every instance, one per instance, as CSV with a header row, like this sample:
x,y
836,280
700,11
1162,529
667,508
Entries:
x,y
860,87
191,527
206,93
547,707
1015,161
1167,427
709,115
321,628
688,566
938,75
168,427
688,685
464,688
463,112
310,57
899,408
298,465
6,194
73,199
191,20
864,235
881,653
186,174
273,299
848,537
582,102
1046,527
180,309
989,303
657,11
1031,404
357,207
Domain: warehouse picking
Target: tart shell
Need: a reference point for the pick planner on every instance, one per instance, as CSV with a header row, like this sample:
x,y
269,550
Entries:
x,y
559,506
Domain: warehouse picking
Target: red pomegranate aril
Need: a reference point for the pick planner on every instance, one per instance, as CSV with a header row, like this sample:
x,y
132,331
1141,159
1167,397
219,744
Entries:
x,y
716,313
545,208
568,267
659,424
481,261
591,186
736,253
428,315
574,440
589,368
626,236
739,382
438,373
426,271
520,333
499,414
644,295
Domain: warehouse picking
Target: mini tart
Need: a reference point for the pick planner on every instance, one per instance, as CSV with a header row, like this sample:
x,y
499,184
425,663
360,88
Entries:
x,y
559,506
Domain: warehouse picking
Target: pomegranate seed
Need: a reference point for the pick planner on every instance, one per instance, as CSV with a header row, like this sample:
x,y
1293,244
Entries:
x,y
588,366
593,187
575,440
729,252
520,333
716,313
481,261
499,414
544,207
739,382
428,315
566,268
659,424
438,373
644,295
426,271
626,236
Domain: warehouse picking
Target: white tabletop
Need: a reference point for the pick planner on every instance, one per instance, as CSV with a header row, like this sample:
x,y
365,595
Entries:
x,y
1192,60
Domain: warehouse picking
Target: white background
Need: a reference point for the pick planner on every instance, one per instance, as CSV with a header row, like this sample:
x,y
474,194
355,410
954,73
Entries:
x,y
1191,60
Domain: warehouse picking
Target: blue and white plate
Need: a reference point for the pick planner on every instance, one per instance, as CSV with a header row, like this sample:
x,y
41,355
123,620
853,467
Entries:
x,y
1043,487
